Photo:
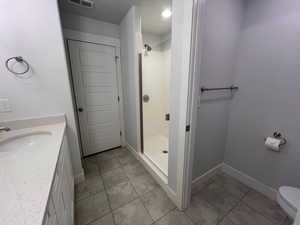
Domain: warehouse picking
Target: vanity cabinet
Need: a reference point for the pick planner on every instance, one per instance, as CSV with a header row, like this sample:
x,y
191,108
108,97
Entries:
x,y
60,208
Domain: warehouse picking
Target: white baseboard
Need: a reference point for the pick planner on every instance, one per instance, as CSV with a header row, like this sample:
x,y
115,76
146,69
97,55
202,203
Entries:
x,y
240,176
157,175
79,178
210,173
250,181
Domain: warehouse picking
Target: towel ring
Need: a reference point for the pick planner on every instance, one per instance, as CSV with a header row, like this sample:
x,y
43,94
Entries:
x,y
18,59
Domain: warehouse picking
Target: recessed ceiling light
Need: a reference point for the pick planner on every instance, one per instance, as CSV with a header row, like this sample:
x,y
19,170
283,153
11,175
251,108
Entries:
x,y
166,13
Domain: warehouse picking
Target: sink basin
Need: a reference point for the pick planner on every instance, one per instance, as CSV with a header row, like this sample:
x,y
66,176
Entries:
x,y
23,142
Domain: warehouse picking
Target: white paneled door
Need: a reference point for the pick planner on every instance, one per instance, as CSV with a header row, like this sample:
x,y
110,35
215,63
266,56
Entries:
x,y
94,72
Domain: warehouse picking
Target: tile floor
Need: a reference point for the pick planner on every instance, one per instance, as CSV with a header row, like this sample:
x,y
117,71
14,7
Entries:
x,y
119,191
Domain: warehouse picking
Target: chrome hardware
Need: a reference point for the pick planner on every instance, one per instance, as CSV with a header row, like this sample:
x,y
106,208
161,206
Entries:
x,y
278,135
4,129
231,88
18,59
146,98
167,117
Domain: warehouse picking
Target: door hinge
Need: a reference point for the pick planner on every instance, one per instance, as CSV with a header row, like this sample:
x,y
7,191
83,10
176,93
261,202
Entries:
x,y
118,98
188,128
120,133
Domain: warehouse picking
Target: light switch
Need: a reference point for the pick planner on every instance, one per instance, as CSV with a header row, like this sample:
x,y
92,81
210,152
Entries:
x,y
4,105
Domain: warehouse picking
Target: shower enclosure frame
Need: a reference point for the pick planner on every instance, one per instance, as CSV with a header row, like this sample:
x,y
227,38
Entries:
x,y
140,60
183,102
198,26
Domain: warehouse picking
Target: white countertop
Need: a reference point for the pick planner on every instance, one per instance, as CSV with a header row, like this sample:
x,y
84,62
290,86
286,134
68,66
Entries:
x,y
26,176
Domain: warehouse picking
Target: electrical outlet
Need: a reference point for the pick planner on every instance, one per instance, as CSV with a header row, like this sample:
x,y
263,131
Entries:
x,y
4,105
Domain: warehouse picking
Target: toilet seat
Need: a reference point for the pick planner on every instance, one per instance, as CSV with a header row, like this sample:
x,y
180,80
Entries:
x,y
289,199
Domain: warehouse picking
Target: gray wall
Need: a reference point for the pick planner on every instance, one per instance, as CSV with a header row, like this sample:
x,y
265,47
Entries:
x,y
223,21
88,25
268,73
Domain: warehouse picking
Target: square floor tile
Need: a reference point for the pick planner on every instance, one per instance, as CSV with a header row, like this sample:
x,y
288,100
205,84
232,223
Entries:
x,y
133,213
244,215
143,183
122,152
157,203
127,159
220,199
202,213
134,169
109,165
231,185
121,194
175,217
114,177
106,220
199,186
226,221
91,208
91,185
105,156
265,206
90,166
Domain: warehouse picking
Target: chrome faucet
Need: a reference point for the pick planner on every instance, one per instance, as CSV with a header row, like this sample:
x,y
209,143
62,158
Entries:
x,y
4,129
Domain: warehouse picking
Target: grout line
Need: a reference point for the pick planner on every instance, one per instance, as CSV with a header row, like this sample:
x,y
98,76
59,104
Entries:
x,y
260,213
165,214
105,190
233,208
100,174
239,200
206,184
263,215
98,218
139,196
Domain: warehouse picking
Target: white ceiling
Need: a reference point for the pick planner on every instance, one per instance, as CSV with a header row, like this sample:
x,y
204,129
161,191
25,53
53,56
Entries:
x,y
112,11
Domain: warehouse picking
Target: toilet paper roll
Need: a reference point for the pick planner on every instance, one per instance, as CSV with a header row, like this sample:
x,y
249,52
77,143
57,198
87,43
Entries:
x,y
273,144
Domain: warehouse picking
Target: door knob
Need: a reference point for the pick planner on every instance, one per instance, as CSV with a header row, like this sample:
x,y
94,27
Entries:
x,y
80,109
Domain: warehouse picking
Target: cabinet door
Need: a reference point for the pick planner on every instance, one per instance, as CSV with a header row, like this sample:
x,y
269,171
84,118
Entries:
x,y
52,213
67,184
50,216
63,188
57,191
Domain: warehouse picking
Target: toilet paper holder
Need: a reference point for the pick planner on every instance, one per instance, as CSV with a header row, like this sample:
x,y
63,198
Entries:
x,y
278,135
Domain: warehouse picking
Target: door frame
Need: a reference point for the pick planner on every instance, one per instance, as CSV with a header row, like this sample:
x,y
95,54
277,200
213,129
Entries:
x,y
72,35
183,101
198,24
185,62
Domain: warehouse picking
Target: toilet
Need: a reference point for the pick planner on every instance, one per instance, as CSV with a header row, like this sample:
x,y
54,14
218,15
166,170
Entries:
x,y
289,199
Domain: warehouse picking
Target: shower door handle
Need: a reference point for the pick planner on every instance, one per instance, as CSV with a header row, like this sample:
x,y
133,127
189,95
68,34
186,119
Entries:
x,y
146,98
